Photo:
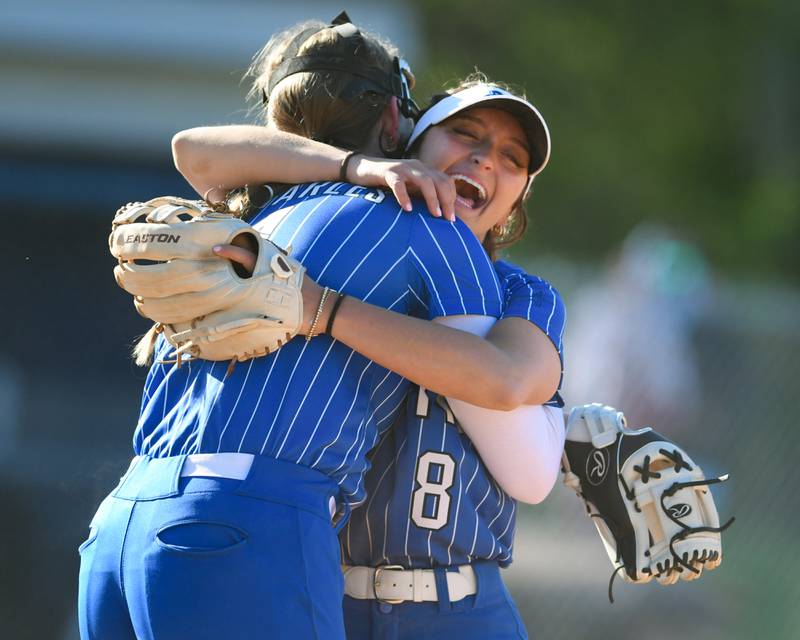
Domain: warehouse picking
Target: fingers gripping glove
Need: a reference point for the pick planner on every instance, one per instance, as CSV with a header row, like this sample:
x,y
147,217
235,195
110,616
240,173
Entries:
x,y
650,502
204,307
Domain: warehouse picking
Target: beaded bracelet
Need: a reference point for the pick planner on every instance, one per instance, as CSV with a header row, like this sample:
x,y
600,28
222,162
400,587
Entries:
x,y
325,293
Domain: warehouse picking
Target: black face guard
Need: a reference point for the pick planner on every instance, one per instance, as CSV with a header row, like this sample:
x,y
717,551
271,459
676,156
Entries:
x,y
367,78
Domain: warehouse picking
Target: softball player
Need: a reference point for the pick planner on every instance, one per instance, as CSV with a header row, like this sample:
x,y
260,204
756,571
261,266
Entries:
x,y
221,527
423,554
435,518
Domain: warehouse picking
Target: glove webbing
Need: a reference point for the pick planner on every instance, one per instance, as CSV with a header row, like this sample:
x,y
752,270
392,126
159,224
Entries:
x,y
687,531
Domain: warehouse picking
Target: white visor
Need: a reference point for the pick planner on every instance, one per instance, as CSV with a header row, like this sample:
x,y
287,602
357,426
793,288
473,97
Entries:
x,y
528,116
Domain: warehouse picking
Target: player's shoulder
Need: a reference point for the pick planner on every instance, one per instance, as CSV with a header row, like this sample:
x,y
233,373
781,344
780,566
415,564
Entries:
x,y
519,286
326,194
513,275
428,228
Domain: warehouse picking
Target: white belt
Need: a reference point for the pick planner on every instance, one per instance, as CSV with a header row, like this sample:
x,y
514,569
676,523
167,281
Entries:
x,y
231,465
394,584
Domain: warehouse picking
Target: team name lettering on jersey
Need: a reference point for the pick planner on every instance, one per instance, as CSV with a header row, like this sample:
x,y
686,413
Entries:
x,y
303,192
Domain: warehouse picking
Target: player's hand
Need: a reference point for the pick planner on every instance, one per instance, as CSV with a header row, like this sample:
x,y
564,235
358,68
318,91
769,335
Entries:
x,y
244,261
406,177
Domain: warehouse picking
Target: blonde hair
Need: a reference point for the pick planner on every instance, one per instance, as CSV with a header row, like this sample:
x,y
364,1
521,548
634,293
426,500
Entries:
x,y
320,104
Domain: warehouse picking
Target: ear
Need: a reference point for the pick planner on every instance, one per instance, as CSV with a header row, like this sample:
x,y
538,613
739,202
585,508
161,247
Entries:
x,y
390,123
395,128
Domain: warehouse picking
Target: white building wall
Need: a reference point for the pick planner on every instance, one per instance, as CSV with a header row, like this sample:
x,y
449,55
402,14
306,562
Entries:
x,y
98,76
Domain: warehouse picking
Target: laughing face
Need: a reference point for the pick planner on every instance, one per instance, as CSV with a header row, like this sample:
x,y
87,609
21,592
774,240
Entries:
x,y
486,152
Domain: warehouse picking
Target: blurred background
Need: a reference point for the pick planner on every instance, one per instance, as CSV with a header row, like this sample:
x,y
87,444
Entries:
x,y
669,219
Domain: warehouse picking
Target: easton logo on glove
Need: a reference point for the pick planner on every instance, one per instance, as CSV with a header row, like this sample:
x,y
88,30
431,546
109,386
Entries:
x,y
625,477
152,237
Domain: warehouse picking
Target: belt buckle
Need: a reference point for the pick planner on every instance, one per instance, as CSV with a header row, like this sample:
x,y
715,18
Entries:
x,y
377,583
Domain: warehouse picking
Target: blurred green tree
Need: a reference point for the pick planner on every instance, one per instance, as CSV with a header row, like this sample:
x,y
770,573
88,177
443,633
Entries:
x,y
683,113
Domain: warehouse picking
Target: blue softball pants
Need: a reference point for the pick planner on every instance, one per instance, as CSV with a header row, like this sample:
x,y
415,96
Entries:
x,y
490,614
171,558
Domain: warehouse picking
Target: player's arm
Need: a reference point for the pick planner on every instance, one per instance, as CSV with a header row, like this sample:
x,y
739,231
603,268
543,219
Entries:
x,y
447,361
521,448
216,159
514,366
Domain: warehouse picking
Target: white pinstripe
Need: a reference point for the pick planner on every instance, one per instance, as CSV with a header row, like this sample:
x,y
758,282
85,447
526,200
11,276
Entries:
x,y
303,401
477,519
149,384
344,243
361,476
148,387
469,484
147,444
378,485
169,441
346,417
369,253
385,529
430,279
449,268
201,430
458,504
363,440
321,232
420,300
510,518
502,495
235,404
272,224
552,311
472,264
327,404
384,276
258,401
364,422
283,397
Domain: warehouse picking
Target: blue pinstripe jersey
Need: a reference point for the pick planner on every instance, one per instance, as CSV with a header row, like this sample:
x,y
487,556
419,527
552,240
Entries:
x,y
430,499
318,403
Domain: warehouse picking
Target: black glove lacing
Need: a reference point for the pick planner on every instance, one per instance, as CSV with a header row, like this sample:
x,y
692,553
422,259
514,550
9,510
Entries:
x,y
687,531
646,474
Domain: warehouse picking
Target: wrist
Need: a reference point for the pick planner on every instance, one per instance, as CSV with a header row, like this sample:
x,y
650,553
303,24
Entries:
x,y
332,311
349,159
322,321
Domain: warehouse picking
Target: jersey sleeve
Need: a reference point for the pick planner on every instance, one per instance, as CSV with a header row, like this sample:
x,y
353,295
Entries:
x,y
454,275
534,299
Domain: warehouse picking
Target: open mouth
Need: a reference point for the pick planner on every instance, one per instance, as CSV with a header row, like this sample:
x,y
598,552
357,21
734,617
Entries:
x,y
469,192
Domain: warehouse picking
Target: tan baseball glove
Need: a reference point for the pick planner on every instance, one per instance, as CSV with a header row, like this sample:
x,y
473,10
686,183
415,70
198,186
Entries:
x,y
205,306
651,503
